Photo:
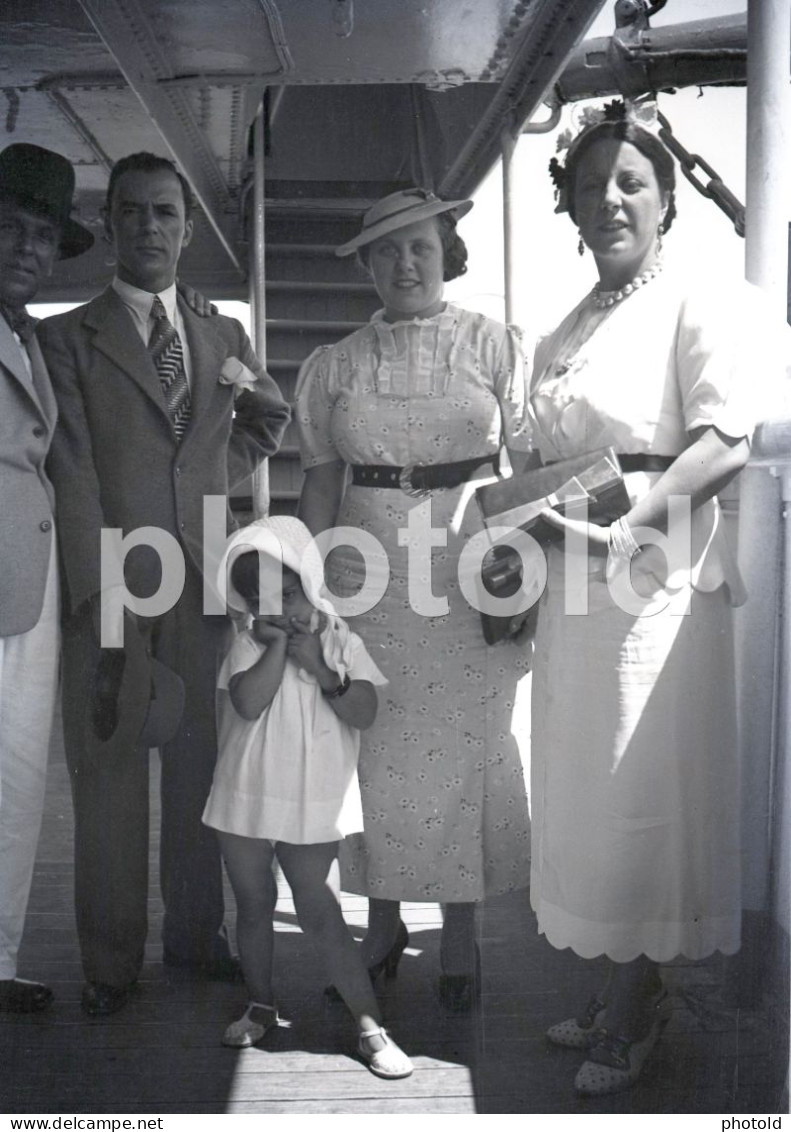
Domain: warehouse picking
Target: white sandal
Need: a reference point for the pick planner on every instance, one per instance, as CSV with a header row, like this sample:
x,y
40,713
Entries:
x,y
257,1020
389,1061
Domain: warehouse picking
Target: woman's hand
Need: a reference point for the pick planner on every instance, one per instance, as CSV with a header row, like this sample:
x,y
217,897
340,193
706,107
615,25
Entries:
x,y
197,302
598,538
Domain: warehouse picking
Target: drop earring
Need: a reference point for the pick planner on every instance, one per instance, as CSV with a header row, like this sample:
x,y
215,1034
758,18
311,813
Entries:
x,y
581,246
659,234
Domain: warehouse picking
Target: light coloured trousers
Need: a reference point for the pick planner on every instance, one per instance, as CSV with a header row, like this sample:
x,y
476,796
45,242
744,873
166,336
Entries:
x,y
28,686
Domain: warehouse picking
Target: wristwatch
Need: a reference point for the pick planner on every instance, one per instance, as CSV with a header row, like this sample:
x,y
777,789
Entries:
x,y
340,690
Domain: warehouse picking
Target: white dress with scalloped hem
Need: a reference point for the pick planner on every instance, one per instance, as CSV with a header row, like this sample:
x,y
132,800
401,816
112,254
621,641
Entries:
x,y
635,775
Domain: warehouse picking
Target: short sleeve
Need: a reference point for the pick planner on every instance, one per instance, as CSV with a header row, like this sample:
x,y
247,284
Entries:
x,y
243,654
511,386
729,356
313,410
362,666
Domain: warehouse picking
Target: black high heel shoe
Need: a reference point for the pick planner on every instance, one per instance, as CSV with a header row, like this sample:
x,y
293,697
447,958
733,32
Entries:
x,y
390,962
458,992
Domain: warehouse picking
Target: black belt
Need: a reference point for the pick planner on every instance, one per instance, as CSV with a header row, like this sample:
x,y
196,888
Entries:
x,y
638,462
417,479
644,462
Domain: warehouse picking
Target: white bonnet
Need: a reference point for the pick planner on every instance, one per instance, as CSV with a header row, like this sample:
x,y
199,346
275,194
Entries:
x,y
281,539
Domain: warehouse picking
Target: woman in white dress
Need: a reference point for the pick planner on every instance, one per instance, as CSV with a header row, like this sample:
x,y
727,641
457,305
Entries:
x,y
424,396
635,780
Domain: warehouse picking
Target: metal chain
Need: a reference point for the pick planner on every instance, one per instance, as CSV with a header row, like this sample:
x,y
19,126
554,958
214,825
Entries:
x,y
715,189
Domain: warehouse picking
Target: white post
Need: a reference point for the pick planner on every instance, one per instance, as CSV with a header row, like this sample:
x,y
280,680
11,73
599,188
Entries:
x,y
768,148
507,148
258,293
762,656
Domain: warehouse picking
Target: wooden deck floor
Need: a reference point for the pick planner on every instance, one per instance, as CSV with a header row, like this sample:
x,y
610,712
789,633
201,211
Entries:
x,y
162,1055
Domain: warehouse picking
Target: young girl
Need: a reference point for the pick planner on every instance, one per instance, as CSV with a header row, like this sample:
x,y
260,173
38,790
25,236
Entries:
x,y
296,688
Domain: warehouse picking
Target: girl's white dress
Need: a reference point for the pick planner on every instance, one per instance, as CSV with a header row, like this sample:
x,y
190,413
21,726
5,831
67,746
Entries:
x,y
291,774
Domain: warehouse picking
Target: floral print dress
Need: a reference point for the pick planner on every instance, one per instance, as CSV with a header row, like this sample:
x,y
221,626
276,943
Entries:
x,y
441,779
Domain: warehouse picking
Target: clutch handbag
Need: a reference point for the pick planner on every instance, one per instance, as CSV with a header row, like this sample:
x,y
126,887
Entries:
x,y
592,481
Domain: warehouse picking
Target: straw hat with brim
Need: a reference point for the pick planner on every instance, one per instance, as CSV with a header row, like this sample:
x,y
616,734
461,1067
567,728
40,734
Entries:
x,y
134,700
397,211
42,182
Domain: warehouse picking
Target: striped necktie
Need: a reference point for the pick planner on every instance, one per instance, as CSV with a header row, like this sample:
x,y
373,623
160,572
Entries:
x,y
20,322
164,346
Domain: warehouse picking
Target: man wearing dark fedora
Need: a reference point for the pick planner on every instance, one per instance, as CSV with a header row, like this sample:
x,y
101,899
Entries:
x,y
36,190
159,408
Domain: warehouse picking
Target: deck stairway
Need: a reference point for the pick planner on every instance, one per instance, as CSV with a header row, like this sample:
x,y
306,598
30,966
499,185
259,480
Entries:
x,y
313,298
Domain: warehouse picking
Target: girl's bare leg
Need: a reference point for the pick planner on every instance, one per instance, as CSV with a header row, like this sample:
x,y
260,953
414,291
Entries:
x,y
309,870
249,864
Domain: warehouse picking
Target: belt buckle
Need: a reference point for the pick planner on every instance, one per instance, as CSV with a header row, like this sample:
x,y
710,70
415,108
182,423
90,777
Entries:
x,y
406,485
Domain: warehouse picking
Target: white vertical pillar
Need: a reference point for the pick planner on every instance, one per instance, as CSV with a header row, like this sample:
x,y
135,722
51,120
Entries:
x,y
768,148
258,292
507,148
763,652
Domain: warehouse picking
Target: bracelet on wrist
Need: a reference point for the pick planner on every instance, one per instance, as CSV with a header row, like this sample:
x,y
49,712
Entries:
x,y
340,690
622,543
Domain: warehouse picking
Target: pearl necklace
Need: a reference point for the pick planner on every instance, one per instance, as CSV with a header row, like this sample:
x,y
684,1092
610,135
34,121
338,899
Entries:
x,y
603,299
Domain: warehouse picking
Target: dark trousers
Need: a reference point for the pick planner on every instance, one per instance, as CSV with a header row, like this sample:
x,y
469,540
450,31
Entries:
x,y
112,811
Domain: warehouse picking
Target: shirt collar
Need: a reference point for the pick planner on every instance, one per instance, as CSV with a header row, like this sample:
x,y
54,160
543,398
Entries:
x,y
140,301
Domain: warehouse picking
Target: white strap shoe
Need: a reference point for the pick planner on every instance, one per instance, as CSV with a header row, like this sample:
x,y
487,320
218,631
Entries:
x,y
254,1024
382,1055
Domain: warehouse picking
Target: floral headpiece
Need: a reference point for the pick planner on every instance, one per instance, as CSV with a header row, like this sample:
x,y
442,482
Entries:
x,y
642,111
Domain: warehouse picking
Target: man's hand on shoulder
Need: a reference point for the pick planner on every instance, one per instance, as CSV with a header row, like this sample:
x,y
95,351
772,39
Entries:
x,y
195,300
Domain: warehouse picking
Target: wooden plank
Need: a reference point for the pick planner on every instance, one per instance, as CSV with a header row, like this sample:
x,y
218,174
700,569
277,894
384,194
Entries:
x,y
162,1053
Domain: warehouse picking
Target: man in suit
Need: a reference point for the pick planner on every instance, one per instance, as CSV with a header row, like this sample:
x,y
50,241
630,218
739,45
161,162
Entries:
x,y
36,188
159,408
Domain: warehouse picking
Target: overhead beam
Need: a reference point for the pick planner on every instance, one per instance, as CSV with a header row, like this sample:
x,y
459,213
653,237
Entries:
x,y
125,30
551,34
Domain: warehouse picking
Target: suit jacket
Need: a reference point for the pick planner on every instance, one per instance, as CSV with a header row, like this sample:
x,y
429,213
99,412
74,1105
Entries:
x,y
115,460
27,421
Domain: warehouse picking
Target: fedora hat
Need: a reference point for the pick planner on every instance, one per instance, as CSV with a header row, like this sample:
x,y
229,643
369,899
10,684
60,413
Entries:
x,y
397,210
43,182
134,699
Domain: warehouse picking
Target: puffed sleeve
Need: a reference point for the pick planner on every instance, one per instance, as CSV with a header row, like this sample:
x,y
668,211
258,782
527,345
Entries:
x,y
313,410
729,356
243,654
511,386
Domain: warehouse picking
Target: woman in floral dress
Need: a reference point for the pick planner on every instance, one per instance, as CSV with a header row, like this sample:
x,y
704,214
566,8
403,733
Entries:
x,y
423,383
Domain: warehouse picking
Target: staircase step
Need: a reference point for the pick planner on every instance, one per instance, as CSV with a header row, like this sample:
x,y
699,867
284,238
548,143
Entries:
x,y
296,226
329,326
313,251
295,339
302,286
323,301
